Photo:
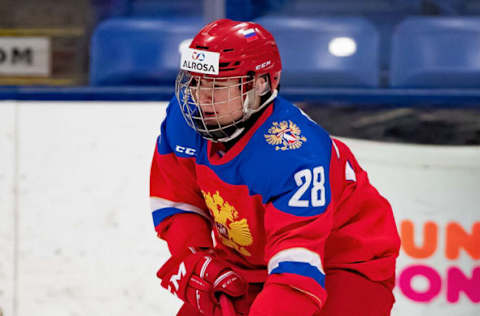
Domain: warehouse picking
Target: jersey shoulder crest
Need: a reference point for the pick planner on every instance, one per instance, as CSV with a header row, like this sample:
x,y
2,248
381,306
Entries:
x,y
285,135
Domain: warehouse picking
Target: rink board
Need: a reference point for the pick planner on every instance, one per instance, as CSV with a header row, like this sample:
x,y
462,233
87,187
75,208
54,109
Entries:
x,y
86,243
7,206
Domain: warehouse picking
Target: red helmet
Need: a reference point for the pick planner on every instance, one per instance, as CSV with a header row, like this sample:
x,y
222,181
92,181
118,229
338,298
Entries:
x,y
226,50
243,46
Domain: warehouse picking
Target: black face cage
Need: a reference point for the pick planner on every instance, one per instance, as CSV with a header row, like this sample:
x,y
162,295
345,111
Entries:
x,y
188,90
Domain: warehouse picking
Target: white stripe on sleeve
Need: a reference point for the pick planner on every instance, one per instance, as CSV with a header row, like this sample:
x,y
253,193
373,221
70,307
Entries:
x,y
159,203
295,255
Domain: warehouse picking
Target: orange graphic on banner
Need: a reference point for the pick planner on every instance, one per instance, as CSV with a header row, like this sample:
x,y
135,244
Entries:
x,y
407,233
458,238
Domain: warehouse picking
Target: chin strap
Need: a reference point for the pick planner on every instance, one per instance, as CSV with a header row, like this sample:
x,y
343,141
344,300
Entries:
x,y
249,99
234,135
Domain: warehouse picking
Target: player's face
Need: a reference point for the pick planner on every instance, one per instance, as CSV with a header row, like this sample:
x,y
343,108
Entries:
x,y
220,100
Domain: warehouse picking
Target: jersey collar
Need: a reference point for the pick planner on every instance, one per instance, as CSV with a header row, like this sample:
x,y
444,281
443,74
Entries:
x,y
212,148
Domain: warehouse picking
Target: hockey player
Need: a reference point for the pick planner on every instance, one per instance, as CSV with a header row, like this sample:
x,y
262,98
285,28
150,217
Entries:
x,y
297,227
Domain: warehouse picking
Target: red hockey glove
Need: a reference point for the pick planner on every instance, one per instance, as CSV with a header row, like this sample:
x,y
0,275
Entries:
x,y
199,279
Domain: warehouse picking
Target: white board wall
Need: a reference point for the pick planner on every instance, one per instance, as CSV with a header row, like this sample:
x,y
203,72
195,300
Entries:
x,y
85,240
7,207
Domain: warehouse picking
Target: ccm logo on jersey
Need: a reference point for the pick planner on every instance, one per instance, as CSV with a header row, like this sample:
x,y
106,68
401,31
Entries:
x,y
185,150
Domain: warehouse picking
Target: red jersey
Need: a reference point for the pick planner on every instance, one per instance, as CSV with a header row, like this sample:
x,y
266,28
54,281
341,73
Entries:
x,y
286,198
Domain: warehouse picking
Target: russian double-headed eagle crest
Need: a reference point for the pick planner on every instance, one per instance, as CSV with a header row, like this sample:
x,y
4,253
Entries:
x,y
285,135
234,232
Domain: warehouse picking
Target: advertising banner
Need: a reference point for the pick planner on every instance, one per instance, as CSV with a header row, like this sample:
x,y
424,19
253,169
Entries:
x,y
435,196
21,56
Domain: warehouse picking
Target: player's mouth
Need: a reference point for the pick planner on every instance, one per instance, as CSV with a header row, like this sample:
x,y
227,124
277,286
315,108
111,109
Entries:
x,y
209,115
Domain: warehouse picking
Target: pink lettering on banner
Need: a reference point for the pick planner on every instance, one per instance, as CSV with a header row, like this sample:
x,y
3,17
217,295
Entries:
x,y
458,282
453,281
434,281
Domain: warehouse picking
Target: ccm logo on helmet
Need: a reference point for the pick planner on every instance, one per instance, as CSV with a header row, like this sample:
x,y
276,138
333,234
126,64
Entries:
x,y
200,61
263,65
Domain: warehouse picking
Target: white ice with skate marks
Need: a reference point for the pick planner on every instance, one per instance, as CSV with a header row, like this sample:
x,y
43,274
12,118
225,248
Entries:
x,y
76,233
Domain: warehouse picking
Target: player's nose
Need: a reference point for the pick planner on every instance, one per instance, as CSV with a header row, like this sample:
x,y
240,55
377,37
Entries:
x,y
205,96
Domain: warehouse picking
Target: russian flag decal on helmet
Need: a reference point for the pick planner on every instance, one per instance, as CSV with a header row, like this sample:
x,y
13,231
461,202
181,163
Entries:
x,y
250,34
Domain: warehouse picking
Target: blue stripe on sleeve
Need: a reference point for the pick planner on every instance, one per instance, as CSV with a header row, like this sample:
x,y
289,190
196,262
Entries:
x,y
301,268
160,214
